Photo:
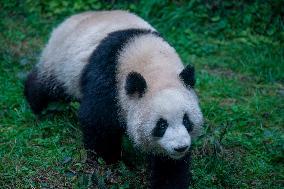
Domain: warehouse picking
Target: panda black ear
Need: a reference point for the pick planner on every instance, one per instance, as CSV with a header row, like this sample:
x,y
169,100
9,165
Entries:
x,y
188,76
135,84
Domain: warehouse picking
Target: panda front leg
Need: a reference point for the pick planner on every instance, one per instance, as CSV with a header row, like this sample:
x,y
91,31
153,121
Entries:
x,y
99,143
101,138
168,173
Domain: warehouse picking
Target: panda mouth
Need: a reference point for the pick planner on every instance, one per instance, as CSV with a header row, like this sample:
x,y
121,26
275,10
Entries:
x,y
177,155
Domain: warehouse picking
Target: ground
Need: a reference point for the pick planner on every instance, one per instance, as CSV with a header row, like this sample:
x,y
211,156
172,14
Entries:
x,y
240,84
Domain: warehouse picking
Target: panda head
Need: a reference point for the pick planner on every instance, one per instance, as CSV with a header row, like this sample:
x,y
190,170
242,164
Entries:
x,y
166,121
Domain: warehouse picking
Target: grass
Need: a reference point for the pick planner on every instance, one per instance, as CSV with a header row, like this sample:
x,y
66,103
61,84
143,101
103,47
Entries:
x,y
239,82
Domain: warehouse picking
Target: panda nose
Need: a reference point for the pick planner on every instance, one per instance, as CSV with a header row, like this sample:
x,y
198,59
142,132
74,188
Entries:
x,y
181,149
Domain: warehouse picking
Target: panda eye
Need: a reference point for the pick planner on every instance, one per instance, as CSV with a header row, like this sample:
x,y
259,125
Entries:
x,y
161,127
187,123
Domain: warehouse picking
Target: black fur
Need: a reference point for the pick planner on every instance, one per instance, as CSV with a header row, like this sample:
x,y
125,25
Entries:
x,y
39,91
187,123
160,128
188,76
135,84
98,113
169,173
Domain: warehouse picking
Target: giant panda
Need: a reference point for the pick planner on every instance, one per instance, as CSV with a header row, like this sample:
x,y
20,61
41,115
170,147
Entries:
x,y
127,78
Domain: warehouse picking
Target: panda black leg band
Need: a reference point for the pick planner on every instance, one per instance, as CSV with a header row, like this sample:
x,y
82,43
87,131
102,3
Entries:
x,y
168,173
101,134
100,142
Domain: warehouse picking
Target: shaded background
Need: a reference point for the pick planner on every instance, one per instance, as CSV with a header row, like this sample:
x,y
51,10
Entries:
x,y
237,49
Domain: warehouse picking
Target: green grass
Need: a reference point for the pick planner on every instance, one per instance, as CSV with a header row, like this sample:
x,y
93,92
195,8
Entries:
x,y
239,81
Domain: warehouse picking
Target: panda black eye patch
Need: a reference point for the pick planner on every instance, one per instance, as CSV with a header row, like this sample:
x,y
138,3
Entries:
x,y
161,127
187,123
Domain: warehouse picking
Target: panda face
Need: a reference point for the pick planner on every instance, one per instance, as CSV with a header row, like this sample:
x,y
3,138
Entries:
x,y
177,114
175,140
165,123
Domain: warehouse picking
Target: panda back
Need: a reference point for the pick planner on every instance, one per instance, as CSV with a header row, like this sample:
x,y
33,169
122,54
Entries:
x,y
71,44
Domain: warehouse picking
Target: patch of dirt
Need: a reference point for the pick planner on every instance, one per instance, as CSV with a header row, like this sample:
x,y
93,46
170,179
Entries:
x,y
227,102
227,73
